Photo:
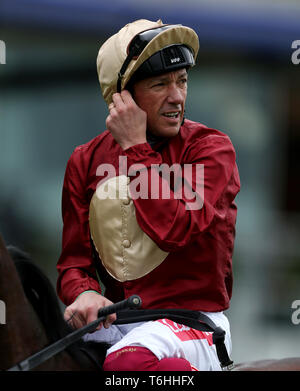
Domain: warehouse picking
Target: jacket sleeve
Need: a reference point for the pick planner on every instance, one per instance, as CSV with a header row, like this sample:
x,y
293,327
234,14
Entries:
x,y
75,265
173,222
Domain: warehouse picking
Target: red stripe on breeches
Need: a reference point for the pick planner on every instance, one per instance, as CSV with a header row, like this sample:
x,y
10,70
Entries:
x,y
136,358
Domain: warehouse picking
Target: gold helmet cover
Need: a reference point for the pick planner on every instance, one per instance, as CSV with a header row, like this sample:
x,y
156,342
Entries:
x,y
124,53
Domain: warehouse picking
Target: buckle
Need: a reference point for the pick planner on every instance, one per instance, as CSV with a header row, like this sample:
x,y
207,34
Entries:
x,y
229,367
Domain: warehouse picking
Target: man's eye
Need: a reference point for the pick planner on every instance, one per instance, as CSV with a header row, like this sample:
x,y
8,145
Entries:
x,y
158,84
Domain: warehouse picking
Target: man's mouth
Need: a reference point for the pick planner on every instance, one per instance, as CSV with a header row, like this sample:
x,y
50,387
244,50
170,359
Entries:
x,y
171,114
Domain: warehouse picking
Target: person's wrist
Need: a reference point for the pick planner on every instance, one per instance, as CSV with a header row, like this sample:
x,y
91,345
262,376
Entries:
x,y
91,290
127,145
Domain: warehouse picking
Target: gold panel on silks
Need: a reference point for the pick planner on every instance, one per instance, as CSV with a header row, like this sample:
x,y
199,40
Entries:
x,y
126,252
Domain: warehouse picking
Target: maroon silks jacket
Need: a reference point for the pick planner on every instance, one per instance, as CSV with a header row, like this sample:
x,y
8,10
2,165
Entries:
x,y
197,273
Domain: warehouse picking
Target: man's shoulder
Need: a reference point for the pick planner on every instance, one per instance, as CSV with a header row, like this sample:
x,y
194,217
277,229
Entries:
x,y
197,131
84,153
92,144
200,140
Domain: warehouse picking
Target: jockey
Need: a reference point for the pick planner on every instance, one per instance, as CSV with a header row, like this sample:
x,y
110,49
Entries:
x,y
148,207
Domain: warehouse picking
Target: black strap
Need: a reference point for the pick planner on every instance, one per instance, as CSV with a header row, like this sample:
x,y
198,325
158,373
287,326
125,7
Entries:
x,y
219,341
134,51
123,69
194,319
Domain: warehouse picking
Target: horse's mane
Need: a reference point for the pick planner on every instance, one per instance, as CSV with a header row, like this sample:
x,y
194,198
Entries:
x,y
42,296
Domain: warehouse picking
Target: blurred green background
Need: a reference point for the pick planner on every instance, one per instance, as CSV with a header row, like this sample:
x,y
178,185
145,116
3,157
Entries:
x,y
245,84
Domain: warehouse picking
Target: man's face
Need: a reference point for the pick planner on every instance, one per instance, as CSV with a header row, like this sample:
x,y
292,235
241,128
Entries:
x,y
162,98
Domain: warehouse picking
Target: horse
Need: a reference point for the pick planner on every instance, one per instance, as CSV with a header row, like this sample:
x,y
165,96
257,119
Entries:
x,y
35,321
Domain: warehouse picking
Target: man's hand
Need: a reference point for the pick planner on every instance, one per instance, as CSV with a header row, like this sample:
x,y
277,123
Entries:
x,y
85,310
127,122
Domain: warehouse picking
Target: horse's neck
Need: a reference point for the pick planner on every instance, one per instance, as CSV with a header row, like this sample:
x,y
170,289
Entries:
x,y
21,323
23,334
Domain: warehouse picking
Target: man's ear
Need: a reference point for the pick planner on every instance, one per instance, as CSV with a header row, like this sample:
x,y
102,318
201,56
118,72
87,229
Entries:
x,y
130,92
130,88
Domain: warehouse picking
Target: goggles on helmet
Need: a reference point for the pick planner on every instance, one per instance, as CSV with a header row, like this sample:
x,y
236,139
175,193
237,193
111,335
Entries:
x,y
165,60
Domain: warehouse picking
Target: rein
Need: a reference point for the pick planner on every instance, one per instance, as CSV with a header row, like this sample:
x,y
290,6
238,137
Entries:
x,y
193,319
48,352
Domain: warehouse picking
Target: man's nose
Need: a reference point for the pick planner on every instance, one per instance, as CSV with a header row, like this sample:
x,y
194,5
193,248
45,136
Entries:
x,y
175,94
